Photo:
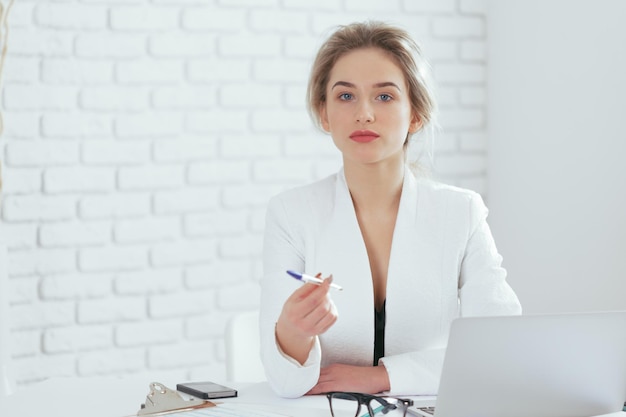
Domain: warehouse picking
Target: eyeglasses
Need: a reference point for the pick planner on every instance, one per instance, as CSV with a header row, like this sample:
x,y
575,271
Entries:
x,y
352,407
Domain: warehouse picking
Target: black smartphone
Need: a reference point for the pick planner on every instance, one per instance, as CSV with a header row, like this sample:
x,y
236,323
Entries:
x,y
206,390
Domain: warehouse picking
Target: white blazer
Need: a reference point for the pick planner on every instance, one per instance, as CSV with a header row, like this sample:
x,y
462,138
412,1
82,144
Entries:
x,y
443,264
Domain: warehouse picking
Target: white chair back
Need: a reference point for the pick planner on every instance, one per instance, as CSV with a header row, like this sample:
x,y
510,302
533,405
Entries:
x,y
243,349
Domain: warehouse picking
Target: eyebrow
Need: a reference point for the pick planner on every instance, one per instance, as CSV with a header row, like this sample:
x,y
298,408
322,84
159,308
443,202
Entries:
x,y
377,85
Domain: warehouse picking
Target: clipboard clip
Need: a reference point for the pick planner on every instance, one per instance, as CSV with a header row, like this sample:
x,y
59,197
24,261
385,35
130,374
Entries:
x,y
161,400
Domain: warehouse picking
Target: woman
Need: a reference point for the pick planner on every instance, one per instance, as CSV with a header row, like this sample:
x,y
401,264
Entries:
x,y
410,254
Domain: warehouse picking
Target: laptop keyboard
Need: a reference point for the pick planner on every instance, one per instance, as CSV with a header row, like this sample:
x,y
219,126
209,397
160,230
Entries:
x,y
422,411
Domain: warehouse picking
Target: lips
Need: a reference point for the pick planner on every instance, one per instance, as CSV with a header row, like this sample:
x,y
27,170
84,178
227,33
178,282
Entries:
x,y
364,136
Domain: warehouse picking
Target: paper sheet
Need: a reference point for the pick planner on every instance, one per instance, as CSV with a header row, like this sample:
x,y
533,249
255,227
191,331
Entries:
x,y
231,410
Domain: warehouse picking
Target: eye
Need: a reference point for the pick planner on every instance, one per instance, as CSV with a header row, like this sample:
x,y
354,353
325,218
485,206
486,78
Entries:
x,y
385,97
345,96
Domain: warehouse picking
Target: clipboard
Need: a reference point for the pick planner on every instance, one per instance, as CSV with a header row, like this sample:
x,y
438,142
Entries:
x,y
162,400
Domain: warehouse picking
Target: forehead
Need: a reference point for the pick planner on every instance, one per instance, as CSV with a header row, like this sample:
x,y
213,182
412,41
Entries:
x,y
367,66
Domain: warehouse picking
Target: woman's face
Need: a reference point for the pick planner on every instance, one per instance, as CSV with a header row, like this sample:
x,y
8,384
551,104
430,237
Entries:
x,y
367,109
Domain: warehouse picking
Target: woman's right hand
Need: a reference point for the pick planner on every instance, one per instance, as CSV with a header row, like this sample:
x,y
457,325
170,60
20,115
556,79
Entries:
x,y
308,312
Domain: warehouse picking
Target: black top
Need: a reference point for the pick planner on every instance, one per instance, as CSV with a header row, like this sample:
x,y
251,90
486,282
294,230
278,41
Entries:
x,y
379,333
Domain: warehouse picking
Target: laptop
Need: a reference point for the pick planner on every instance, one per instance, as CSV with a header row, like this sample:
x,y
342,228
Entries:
x,y
564,365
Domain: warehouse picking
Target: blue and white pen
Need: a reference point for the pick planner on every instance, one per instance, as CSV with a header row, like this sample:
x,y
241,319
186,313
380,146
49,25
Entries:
x,y
312,280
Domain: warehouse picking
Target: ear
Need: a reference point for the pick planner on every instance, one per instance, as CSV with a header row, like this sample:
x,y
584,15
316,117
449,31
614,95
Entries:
x,y
324,118
416,124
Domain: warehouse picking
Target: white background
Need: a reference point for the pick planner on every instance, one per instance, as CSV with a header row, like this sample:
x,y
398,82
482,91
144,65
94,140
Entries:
x,y
143,138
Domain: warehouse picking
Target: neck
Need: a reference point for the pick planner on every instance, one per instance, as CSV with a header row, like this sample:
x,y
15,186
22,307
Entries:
x,y
375,187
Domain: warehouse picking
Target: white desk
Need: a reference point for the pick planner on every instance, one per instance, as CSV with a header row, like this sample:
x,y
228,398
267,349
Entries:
x,y
121,397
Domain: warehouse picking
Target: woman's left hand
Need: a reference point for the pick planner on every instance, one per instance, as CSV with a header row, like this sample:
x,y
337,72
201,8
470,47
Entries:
x,y
340,377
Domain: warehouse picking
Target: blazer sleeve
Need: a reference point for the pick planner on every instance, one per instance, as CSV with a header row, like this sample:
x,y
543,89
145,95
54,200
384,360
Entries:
x,y
282,250
482,291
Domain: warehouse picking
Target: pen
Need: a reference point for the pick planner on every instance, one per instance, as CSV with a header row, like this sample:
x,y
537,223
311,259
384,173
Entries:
x,y
312,280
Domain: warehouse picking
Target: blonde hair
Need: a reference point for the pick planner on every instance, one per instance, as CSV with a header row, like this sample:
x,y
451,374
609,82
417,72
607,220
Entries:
x,y
394,41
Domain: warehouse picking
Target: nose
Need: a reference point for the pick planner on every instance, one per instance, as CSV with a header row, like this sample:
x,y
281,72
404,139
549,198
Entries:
x,y
364,113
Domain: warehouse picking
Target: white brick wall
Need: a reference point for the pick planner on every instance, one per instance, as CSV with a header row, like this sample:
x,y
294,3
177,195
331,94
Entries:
x,y
142,140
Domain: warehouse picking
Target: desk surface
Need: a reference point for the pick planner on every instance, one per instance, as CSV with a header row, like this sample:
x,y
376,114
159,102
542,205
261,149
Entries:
x,y
121,397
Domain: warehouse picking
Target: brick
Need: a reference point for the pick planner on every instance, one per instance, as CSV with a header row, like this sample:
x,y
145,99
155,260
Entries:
x,y
281,171
75,71
240,196
42,42
129,98
440,50
106,310
75,286
147,230
111,362
240,247
430,6
295,98
150,177
371,6
219,172
148,333
280,21
446,142
447,96
35,369
72,339
21,69
38,207
473,6
462,119
23,290
301,46
280,121
74,234
460,164
21,14
22,125
219,70
183,252
211,275
319,5
248,45
247,146
142,18
178,355
184,45
208,326
217,121
186,201
114,206
109,45
255,3
19,235
112,258
222,223
472,50
39,97
476,183
460,73
21,181
148,282
76,125
257,221
113,152
42,314
239,297
25,343
474,141
79,179
149,125
198,96
181,304
149,71
282,70
212,19
42,153
189,148
458,27
473,96
250,95
70,16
